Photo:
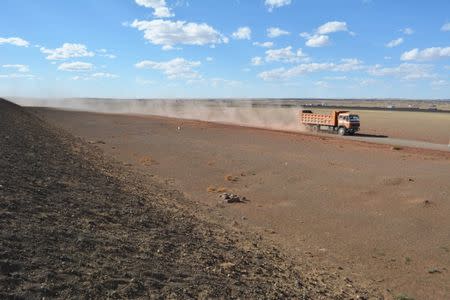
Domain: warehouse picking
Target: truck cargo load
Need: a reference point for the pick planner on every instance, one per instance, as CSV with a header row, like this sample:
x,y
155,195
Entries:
x,y
341,122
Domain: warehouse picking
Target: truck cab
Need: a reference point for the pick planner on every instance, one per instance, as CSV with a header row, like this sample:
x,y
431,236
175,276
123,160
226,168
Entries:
x,y
349,123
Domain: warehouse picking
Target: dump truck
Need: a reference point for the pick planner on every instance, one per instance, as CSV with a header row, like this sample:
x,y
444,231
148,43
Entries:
x,y
340,122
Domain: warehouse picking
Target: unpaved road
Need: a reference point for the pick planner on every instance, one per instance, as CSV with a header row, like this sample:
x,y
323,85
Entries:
x,y
376,214
400,142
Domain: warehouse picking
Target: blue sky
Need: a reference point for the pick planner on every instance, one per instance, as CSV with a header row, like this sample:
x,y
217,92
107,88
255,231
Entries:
x,y
233,48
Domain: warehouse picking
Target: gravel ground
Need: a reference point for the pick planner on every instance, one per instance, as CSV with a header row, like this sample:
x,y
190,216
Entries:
x,y
74,224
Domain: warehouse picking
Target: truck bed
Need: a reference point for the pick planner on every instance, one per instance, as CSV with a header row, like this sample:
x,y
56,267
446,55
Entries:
x,y
317,119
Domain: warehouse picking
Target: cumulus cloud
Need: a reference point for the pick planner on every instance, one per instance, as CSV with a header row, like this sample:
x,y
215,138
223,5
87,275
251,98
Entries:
x,y
345,65
242,33
426,54
174,69
274,32
333,26
446,27
67,50
394,43
407,31
16,41
271,4
405,71
75,66
264,45
257,61
18,68
285,55
160,9
318,40
167,33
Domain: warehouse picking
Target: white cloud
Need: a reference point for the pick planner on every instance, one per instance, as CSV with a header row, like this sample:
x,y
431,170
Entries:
x,y
318,41
104,75
271,4
257,61
336,77
16,41
264,45
394,43
426,54
75,66
284,55
242,33
214,82
388,57
274,32
405,71
67,50
19,68
168,33
95,76
320,37
407,31
209,58
446,27
104,53
16,75
333,26
350,64
160,9
322,84
142,81
438,83
173,69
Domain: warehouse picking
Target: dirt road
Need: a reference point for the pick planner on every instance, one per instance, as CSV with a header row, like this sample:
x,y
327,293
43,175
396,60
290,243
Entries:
x,y
375,213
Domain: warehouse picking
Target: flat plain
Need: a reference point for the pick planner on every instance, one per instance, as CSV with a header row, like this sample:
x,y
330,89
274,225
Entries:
x,y
374,213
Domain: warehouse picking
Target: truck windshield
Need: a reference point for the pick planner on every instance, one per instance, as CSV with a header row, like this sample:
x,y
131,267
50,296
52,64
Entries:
x,y
354,118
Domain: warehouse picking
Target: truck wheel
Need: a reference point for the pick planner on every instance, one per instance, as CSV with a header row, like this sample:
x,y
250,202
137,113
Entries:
x,y
341,131
315,128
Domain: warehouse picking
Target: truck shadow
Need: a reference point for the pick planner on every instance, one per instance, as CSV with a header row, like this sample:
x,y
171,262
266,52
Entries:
x,y
371,135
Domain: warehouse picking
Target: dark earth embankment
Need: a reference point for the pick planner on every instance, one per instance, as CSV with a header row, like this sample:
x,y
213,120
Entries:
x,y
77,225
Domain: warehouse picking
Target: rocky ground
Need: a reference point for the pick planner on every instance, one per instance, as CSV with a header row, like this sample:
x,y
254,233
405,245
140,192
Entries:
x,y
77,225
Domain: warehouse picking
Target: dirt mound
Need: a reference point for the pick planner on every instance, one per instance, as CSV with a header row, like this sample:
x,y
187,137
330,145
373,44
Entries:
x,y
74,224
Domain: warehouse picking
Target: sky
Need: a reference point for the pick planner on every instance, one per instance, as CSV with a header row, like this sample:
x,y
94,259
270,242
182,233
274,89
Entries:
x,y
225,49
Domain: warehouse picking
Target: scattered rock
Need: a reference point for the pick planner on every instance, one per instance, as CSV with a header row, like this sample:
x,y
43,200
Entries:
x,y
427,203
231,198
97,142
434,271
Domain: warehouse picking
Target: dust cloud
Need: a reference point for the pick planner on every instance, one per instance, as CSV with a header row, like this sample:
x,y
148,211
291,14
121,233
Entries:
x,y
252,113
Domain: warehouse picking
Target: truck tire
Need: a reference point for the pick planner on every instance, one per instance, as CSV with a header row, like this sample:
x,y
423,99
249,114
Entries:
x,y
315,128
341,131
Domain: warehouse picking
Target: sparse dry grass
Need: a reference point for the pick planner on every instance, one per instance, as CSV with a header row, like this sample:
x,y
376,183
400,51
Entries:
x,y
146,160
231,178
222,190
211,189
